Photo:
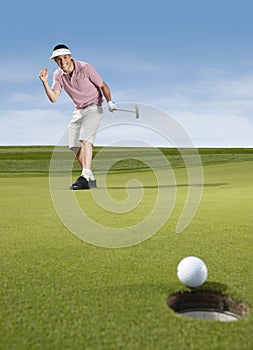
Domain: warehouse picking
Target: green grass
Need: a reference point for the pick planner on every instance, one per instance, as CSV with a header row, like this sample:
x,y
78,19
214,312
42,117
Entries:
x,y
36,159
58,292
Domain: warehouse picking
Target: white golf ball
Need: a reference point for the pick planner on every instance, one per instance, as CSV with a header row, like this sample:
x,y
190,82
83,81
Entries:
x,y
192,271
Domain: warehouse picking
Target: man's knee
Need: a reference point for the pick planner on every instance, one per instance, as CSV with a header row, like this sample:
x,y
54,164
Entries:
x,y
86,143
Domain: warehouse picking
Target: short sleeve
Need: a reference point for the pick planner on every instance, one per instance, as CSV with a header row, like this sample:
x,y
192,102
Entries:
x,y
57,83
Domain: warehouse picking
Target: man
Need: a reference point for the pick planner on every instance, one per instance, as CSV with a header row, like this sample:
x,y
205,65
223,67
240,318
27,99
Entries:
x,y
86,88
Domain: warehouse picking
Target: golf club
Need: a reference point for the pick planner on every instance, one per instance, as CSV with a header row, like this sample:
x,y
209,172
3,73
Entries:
x,y
136,111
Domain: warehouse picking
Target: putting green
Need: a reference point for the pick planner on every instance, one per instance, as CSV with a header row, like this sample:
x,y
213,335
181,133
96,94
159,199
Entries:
x,y
59,292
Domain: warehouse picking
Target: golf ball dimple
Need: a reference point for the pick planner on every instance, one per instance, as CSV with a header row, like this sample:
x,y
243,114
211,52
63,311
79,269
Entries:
x,y
192,271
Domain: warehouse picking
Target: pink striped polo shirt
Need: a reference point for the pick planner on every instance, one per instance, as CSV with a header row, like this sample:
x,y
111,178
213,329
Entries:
x,y
83,86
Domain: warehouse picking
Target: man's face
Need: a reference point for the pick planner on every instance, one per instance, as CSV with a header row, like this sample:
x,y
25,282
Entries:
x,y
65,63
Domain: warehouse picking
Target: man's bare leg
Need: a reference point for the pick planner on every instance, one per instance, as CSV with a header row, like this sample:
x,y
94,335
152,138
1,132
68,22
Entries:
x,y
84,157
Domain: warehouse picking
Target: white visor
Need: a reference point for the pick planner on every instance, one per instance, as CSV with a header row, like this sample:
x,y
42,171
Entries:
x,y
60,52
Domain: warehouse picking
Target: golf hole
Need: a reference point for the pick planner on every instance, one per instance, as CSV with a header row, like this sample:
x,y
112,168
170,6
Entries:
x,y
207,306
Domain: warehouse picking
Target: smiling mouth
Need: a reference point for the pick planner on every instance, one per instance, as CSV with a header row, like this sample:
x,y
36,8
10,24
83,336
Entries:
x,y
65,67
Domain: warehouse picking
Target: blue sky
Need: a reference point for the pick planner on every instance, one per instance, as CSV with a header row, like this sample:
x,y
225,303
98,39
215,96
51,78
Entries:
x,y
191,59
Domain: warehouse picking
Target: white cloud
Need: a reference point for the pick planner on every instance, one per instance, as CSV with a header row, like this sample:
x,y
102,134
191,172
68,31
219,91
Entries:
x,y
32,127
215,111
21,97
212,129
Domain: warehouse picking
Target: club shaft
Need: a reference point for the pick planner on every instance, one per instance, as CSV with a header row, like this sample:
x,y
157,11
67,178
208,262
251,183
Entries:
x,y
125,110
136,112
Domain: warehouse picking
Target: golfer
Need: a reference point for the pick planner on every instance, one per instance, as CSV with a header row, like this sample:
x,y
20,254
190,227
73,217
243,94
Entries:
x,y
86,88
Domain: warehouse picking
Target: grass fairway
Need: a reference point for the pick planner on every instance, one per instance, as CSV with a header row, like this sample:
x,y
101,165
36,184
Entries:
x,y
58,292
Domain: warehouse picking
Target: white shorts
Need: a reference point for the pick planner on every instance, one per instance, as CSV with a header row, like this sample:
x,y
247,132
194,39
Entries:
x,y
84,125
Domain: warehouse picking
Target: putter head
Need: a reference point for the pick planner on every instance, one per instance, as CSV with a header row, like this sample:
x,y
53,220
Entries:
x,y
137,112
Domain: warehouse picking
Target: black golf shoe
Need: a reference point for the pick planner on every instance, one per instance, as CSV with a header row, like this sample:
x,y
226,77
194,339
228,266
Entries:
x,y
92,183
83,184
